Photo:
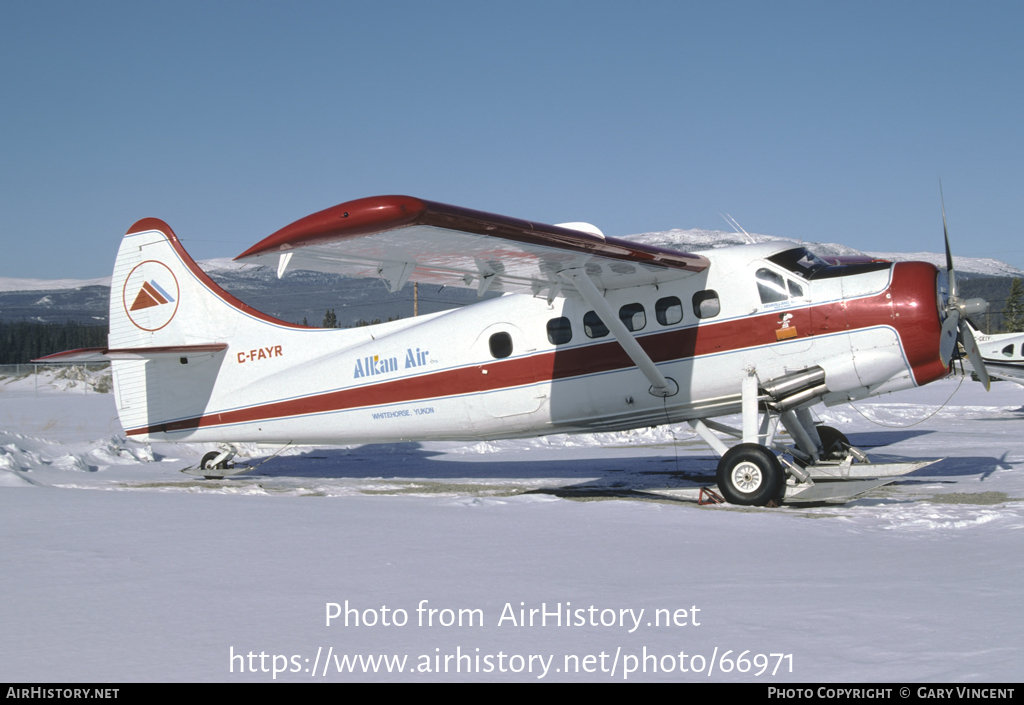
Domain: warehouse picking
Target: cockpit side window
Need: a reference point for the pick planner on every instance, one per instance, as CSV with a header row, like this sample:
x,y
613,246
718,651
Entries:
x,y
771,286
1008,350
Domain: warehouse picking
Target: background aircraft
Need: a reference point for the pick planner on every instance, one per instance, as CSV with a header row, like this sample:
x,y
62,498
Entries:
x,y
1003,354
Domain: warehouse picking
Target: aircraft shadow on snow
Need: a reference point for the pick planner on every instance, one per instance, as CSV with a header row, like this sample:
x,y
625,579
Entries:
x,y
619,474
960,466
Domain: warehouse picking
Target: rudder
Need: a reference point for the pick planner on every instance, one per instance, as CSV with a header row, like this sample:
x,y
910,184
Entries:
x,y
162,303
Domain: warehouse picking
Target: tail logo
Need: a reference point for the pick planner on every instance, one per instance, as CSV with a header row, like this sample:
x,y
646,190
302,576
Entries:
x,y
151,295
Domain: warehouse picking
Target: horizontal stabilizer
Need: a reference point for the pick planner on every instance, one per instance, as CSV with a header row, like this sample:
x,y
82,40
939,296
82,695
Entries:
x,y
107,354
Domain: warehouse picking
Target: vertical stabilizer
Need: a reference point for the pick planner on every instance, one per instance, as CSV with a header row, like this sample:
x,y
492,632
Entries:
x,y
160,300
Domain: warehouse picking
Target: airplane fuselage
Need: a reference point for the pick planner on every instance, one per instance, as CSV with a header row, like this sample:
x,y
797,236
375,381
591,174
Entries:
x,y
524,366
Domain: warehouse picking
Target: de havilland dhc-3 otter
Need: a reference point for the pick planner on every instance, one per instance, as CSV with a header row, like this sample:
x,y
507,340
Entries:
x,y
593,334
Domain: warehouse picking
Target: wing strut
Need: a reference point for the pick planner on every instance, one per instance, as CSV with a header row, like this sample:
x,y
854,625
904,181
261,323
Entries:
x,y
661,386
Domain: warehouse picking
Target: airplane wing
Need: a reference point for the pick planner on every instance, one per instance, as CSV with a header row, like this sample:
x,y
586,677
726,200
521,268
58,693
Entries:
x,y
400,239
1001,370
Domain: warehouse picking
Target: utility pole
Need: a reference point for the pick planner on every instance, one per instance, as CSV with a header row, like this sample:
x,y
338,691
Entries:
x,y
415,299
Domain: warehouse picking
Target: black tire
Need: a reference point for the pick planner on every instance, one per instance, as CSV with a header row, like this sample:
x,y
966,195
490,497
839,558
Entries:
x,y
751,475
835,444
209,458
206,464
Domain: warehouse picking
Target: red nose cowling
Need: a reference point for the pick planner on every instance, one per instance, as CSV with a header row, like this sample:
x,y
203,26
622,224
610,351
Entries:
x,y
915,315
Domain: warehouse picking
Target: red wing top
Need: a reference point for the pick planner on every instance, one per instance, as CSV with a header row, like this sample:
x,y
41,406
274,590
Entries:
x,y
400,238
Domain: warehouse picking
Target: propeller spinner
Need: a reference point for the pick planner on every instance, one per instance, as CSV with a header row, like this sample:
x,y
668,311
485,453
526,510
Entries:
x,y
956,310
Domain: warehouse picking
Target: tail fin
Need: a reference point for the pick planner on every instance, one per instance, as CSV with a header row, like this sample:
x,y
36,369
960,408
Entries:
x,y
169,325
160,297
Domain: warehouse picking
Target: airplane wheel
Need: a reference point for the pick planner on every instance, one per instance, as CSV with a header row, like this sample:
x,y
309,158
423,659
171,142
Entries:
x,y
207,464
750,475
834,442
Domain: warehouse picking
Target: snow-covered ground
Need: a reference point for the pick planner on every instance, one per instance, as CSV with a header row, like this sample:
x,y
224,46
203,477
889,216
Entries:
x,y
115,566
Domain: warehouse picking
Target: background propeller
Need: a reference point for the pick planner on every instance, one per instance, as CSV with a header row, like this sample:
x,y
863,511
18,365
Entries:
x,y
956,310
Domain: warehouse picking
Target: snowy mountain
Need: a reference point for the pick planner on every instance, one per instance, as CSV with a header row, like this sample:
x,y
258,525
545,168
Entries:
x,y
697,240
307,295
16,284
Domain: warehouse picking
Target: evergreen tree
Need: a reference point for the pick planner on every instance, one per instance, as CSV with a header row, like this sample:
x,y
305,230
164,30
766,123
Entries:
x,y
1013,312
23,341
330,320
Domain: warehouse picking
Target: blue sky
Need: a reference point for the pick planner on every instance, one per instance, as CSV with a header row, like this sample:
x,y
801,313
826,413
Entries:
x,y
825,121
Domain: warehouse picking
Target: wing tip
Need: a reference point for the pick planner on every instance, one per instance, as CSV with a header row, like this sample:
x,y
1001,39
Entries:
x,y
349,219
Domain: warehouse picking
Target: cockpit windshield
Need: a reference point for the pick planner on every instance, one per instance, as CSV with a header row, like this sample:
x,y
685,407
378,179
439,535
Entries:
x,y
807,265
800,261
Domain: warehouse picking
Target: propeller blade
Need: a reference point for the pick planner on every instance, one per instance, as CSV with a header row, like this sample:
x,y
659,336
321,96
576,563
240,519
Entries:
x,y
955,327
947,344
967,338
949,253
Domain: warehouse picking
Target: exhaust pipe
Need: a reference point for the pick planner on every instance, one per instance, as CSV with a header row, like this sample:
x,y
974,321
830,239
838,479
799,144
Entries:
x,y
781,387
794,389
799,398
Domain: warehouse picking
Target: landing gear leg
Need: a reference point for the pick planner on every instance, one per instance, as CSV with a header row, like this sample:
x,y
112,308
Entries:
x,y
805,443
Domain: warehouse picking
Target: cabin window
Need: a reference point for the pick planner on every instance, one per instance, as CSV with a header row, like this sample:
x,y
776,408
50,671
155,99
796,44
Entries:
x,y
669,310
706,304
1008,350
633,316
593,326
795,290
501,345
771,286
559,331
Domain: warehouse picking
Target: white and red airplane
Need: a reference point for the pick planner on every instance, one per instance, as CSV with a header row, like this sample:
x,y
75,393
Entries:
x,y
1003,354
595,334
